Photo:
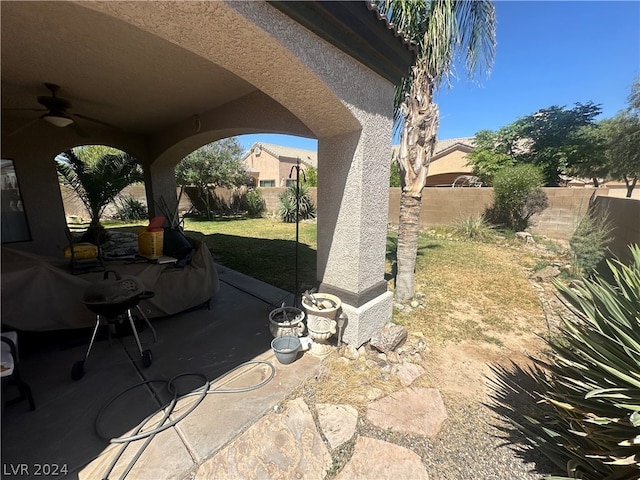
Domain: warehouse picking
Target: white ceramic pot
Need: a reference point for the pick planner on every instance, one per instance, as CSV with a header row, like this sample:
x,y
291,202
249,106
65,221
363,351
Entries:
x,y
286,321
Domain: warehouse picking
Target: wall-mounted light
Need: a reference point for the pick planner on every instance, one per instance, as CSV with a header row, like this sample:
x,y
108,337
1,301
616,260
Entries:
x,y
57,119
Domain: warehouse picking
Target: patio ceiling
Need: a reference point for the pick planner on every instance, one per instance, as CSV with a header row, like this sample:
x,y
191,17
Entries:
x,y
107,69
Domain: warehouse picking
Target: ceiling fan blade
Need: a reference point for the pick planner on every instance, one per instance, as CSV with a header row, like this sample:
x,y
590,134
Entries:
x,y
90,119
25,109
19,129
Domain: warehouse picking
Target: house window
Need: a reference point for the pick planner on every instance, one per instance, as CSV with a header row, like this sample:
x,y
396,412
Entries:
x,y
267,183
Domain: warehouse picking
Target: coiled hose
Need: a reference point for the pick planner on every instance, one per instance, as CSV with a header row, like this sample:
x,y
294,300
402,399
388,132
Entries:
x,y
163,425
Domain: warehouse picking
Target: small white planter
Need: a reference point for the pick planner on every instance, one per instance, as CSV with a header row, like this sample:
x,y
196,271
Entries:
x,y
321,320
286,321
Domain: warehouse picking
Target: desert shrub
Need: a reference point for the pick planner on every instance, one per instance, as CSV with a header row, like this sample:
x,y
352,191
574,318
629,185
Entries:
x,y
253,203
588,392
288,200
589,241
517,196
129,208
475,228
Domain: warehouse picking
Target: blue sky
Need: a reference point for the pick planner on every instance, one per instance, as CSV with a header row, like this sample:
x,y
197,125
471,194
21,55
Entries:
x,y
548,53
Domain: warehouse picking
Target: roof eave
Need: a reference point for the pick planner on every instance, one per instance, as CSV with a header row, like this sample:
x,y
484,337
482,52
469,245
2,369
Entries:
x,y
358,30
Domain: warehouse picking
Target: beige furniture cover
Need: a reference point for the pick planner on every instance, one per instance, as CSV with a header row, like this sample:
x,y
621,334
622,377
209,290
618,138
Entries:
x,y
40,293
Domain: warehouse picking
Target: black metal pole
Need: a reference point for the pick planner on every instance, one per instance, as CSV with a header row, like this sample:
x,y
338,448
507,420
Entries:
x,y
296,287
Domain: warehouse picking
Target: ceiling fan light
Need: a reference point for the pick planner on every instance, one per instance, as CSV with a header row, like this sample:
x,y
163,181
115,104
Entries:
x,y
58,120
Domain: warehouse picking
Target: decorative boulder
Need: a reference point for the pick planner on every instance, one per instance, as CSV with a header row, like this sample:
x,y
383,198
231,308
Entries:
x,y
389,337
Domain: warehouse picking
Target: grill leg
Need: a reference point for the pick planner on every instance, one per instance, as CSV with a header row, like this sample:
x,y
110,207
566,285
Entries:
x,y
93,337
153,330
135,332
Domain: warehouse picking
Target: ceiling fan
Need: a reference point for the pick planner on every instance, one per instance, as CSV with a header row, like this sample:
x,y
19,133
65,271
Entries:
x,y
57,112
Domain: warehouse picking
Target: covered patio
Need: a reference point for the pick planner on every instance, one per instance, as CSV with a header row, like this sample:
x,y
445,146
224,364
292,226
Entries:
x,y
159,80
163,79
67,436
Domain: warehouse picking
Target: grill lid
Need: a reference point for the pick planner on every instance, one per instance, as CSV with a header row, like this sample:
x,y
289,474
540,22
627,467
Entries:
x,y
116,290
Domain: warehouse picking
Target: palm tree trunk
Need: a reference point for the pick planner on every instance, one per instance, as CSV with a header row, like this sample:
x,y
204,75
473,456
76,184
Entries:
x,y
416,148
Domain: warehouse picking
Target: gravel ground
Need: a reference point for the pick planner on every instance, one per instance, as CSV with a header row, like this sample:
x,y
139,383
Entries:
x,y
470,446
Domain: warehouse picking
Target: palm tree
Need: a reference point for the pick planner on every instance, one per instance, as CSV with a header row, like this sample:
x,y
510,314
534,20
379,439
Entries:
x,y
97,183
442,30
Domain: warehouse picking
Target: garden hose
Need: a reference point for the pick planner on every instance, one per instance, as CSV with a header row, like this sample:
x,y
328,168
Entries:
x,y
161,426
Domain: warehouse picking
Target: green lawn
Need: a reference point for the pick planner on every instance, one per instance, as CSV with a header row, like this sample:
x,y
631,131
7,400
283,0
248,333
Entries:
x,y
263,248
473,290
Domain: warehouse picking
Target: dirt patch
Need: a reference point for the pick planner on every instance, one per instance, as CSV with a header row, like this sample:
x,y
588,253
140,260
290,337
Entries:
x,y
482,310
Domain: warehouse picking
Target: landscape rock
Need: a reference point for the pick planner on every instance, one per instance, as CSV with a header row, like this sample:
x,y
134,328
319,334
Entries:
x,y
525,237
389,337
374,394
299,451
338,423
547,273
350,352
393,357
408,372
383,461
412,410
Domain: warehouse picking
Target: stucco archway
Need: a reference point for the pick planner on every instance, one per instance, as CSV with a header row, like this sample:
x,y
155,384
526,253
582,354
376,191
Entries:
x,y
149,70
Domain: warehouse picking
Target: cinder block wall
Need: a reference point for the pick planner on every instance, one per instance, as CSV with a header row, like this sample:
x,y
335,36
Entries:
x,y
446,206
624,215
565,206
271,197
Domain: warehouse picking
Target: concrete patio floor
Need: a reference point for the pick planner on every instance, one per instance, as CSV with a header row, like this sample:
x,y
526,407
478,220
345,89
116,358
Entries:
x,y
60,435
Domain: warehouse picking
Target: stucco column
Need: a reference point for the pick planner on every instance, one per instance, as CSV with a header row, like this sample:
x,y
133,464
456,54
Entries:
x,y
353,197
160,181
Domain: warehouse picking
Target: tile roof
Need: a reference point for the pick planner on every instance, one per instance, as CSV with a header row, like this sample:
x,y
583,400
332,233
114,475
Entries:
x,y
309,157
442,145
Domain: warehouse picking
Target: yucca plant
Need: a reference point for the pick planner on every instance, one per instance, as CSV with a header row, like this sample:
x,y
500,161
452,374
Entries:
x,y
589,391
288,200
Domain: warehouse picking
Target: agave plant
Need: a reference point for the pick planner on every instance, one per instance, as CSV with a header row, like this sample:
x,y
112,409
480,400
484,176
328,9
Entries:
x,y
292,197
589,391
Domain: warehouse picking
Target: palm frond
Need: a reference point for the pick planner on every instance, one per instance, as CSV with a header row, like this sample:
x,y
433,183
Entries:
x,y
99,183
443,30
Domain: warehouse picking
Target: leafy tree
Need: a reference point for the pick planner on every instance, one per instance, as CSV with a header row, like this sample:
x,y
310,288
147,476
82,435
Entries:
x,y
622,134
217,164
98,183
442,31
553,138
590,159
310,177
485,159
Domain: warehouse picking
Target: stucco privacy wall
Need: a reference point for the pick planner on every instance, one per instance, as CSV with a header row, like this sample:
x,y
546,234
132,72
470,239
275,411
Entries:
x,y
446,206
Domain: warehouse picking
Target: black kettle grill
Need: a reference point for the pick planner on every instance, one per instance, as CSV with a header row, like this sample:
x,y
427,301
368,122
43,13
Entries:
x,y
112,299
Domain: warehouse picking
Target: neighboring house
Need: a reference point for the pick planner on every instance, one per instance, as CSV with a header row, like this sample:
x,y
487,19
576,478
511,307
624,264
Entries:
x,y
449,161
272,165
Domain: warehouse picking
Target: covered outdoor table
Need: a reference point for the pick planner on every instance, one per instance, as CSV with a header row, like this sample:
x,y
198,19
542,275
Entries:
x,y
40,293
